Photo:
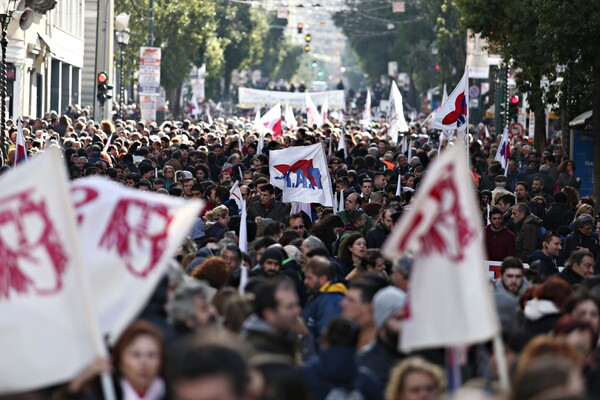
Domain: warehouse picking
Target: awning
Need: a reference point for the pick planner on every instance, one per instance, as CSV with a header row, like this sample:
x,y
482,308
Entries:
x,y
48,42
582,119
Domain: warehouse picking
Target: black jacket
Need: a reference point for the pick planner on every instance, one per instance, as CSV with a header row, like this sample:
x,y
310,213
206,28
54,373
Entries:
x,y
277,211
376,236
557,215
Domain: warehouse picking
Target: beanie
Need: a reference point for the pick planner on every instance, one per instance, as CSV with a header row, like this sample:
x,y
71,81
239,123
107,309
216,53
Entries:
x,y
272,253
144,168
385,303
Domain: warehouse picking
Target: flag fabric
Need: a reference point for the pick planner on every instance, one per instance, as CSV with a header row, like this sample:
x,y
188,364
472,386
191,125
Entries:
x,y
341,205
272,121
305,207
20,145
454,112
195,109
503,153
257,124
302,174
342,143
449,296
395,114
487,131
312,114
208,117
45,337
235,194
404,148
290,120
367,111
399,187
324,111
128,238
261,131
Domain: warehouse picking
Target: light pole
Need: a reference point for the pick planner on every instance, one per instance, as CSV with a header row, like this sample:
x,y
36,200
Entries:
x,y
7,7
122,35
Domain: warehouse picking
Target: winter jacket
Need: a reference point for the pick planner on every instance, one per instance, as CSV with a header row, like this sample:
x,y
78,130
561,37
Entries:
x,y
576,239
499,244
215,230
572,277
376,236
557,215
528,238
264,338
540,316
507,302
336,368
277,211
545,265
322,307
380,358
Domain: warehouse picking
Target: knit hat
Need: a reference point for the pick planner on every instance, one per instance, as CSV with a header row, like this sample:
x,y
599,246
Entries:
x,y
385,303
560,197
272,253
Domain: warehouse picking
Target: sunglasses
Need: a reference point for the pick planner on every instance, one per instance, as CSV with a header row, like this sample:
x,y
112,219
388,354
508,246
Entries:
x,y
298,227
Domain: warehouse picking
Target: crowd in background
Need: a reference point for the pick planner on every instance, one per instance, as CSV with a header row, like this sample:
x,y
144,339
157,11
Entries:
x,y
322,311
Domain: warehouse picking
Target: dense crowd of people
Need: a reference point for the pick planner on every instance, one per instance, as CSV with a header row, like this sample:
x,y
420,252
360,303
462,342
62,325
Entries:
x,y
322,311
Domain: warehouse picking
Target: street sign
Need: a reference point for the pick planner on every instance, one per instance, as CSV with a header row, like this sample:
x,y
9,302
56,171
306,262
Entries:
x,y
516,129
474,91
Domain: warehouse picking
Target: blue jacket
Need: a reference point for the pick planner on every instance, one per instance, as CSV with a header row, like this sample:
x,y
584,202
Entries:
x,y
322,307
336,367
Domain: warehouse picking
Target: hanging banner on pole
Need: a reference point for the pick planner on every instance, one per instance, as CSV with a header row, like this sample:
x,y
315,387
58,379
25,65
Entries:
x,y
149,73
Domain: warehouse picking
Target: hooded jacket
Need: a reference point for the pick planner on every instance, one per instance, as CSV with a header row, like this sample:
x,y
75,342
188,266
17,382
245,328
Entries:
x,y
322,307
540,316
336,367
528,238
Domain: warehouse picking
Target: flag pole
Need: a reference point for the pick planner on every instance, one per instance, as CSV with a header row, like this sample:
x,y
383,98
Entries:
x,y
108,388
499,351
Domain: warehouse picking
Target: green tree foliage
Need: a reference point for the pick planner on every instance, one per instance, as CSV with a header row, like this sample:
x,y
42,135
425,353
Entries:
x,y
425,26
511,27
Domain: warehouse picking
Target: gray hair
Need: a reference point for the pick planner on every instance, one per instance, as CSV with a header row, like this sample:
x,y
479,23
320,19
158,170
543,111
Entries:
x,y
182,307
583,220
313,242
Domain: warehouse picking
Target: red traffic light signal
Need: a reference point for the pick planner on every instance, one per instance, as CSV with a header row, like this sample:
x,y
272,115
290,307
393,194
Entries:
x,y
300,26
102,77
514,99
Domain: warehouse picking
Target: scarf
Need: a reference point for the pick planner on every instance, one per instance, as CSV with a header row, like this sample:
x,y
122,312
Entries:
x,y
155,391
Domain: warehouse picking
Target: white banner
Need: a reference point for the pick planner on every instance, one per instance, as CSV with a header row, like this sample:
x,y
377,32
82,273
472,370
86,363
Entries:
x,y
302,173
251,98
128,237
148,108
149,72
45,338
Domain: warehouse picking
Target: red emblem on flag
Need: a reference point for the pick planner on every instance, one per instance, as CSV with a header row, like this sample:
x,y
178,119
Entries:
x,y
459,115
138,231
29,245
449,231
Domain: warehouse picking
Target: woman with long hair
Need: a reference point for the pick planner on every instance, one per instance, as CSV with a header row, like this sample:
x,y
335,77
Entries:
x,y
139,362
566,174
352,250
327,229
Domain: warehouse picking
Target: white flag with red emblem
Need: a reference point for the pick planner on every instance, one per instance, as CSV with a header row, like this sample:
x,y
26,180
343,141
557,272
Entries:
x,y
290,120
313,117
324,111
395,114
272,121
46,329
302,174
128,237
454,112
450,301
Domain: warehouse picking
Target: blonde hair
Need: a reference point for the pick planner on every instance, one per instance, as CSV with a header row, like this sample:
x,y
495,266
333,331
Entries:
x,y
217,213
584,209
401,371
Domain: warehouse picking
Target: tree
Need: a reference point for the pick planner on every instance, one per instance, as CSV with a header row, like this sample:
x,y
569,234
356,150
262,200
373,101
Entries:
x,y
566,28
510,26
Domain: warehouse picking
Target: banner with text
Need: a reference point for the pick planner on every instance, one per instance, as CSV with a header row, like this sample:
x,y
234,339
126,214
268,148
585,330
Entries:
x,y
251,98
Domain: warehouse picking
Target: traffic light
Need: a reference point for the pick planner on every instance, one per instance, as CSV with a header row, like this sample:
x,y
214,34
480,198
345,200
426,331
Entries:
x,y
307,38
513,108
104,89
314,64
300,26
307,48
